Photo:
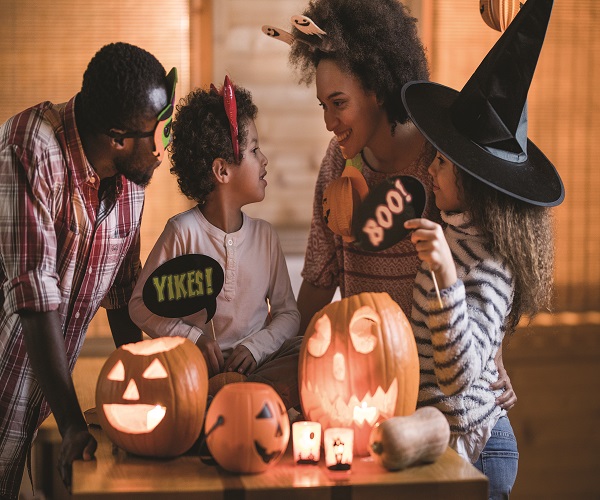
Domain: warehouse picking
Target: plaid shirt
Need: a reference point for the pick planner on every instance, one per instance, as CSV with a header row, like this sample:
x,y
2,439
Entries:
x,y
66,245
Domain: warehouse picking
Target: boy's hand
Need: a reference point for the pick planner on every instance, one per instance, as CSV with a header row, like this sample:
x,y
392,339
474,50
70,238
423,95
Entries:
x,y
212,354
432,247
241,360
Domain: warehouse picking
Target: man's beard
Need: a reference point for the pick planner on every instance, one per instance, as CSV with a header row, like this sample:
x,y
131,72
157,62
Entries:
x,y
133,169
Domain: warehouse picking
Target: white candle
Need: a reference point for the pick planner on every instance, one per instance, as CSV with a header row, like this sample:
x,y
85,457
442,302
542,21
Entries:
x,y
306,439
338,443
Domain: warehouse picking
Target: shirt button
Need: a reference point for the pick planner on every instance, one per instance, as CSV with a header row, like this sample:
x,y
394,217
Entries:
x,y
76,315
92,179
230,242
90,270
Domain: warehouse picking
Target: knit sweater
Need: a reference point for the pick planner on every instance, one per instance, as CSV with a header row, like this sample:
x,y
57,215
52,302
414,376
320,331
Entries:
x,y
457,343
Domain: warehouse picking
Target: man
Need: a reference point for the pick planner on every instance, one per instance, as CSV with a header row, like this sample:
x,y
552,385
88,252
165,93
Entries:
x,y
72,180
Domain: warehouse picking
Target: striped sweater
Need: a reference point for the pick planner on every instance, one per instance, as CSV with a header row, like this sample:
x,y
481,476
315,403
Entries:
x,y
457,343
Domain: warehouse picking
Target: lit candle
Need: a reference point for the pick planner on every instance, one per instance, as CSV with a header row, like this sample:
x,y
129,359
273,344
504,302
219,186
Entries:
x,y
338,443
306,438
364,413
154,416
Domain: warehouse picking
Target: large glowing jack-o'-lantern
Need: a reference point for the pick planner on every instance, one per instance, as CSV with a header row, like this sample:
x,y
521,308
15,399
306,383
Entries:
x,y
151,396
358,365
247,427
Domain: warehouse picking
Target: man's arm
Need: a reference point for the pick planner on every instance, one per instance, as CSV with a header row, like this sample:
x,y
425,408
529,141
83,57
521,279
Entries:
x,y
46,350
124,331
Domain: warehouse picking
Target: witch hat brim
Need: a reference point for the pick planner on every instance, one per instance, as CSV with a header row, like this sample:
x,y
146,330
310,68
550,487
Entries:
x,y
482,128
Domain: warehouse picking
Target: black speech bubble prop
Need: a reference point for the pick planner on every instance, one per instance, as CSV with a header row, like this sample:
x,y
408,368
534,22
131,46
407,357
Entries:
x,y
380,220
184,285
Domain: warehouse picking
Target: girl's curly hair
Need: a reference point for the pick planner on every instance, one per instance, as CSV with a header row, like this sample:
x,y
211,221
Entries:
x,y
376,41
201,134
520,233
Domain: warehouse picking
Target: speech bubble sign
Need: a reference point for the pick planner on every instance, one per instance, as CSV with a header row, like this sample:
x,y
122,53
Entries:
x,y
380,220
184,285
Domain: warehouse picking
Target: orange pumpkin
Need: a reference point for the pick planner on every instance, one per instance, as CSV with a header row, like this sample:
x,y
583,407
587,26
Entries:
x,y
151,396
255,427
341,200
358,365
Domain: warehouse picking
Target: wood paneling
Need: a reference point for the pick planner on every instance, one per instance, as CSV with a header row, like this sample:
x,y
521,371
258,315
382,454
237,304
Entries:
x,y
554,371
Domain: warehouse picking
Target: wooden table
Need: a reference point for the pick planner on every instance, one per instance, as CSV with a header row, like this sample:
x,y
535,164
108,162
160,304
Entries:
x,y
124,476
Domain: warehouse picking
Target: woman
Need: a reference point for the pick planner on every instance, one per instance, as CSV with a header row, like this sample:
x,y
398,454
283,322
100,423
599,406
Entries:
x,y
368,52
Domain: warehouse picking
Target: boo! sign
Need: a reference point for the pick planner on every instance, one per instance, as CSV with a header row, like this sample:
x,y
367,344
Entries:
x,y
184,285
381,217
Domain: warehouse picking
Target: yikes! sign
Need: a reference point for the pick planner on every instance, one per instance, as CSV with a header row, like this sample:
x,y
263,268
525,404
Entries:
x,y
184,285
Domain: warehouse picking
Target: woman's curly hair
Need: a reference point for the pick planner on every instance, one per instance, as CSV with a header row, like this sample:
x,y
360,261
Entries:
x,y
201,134
520,233
376,41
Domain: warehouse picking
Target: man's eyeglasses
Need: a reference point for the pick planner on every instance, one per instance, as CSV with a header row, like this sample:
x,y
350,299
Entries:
x,y
162,129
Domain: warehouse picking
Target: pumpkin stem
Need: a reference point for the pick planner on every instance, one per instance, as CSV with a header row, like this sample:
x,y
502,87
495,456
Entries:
x,y
377,447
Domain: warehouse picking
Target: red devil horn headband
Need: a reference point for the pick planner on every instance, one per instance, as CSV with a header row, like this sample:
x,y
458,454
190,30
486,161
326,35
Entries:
x,y
228,93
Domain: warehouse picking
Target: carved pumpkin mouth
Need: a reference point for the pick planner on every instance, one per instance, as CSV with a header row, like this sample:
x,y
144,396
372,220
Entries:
x,y
134,418
338,412
262,452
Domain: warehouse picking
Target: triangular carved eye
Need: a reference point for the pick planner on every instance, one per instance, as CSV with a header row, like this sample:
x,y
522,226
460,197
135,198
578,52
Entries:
x,y
363,329
319,341
131,393
117,373
265,412
155,370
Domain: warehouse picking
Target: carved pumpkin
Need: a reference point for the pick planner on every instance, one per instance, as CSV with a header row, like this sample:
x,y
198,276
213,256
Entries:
x,y
358,365
255,427
151,396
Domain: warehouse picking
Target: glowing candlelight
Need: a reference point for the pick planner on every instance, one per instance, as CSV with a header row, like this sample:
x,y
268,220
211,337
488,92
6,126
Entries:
x,y
364,413
154,416
306,438
338,448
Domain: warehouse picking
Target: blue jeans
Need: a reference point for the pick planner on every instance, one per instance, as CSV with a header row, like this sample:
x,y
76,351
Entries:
x,y
499,460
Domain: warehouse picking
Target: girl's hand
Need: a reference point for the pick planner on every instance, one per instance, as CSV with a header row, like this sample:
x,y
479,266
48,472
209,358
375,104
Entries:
x,y
432,247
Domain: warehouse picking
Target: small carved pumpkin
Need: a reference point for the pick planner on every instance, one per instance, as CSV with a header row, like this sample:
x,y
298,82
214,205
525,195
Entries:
x,y
358,365
151,396
255,427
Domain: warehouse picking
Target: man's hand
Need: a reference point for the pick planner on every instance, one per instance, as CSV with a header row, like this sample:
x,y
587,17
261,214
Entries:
x,y
212,354
76,445
241,361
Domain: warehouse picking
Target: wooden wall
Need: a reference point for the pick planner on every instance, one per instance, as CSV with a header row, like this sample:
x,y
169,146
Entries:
x,y
555,373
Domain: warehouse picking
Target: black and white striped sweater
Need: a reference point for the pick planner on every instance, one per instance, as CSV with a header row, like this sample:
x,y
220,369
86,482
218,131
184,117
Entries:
x,y
457,344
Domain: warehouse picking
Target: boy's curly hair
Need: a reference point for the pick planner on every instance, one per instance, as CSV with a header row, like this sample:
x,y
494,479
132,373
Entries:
x,y
376,41
201,134
520,233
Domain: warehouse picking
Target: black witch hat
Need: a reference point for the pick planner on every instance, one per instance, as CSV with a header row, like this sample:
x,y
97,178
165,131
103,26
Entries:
x,y
483,128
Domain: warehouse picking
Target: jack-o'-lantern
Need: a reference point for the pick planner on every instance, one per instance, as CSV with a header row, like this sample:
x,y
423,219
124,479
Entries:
x,y
358,365
247,427
151,396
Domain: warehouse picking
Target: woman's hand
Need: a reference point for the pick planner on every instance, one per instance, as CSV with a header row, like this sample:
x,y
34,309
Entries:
x,y
432,247
508,398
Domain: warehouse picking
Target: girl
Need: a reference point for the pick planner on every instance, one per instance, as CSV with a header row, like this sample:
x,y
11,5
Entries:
x,y
493,262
